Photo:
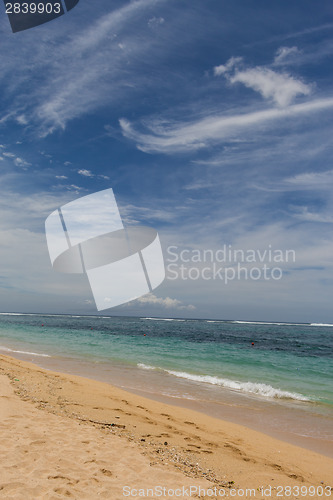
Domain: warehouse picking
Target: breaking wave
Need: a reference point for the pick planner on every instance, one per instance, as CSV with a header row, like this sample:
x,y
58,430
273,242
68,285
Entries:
x,y
259,389
6,349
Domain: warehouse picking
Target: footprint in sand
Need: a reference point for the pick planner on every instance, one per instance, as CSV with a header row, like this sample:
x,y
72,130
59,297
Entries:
x,y
63,491
39,441
233,448
194,438
106,472
213,445
168,416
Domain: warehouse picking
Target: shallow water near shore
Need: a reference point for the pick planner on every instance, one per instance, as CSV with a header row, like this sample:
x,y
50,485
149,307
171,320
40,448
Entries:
x,y
274,377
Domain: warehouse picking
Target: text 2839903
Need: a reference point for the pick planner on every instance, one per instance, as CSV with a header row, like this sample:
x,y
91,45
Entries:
x,y
33,8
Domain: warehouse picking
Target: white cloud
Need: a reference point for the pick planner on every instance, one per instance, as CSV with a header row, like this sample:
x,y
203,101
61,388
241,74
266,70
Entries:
x,y
312,180
46,155
225,68
167,302
74,187
149,213
17,160
281,88
309,181
305,214
25,210
285,55
194,185
28,282
184,136
155,22
85,71
301,33
61,177
22,119
85,173
20,162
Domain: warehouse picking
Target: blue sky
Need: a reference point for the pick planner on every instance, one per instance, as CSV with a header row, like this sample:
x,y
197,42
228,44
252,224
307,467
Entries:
x,y
211,121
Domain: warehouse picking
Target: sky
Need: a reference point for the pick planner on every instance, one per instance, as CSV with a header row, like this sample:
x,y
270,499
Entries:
x,y
212,123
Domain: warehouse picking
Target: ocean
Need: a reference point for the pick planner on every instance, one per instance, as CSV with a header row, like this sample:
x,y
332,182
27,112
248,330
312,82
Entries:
x,y
275,377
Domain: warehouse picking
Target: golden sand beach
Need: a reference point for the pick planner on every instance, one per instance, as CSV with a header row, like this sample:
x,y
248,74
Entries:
x,y
64,436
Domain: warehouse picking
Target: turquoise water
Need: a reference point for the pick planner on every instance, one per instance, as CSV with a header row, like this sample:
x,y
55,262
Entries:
x,y
288,362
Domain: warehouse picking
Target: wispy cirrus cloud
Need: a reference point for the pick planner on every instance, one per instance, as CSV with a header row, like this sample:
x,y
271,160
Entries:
x,y
300,33
146,214
306,214
312,180
198,134
308,181
88,68
278,88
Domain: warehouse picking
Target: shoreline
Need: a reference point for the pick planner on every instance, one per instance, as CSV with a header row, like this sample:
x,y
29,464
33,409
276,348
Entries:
x,y
287,422
197,445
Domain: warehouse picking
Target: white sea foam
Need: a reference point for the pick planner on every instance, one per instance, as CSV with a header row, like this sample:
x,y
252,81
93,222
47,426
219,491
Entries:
x,y
263,390
6,349
72,316
182,396
249,387
164,319
321,324
44,315
18,314
146,367
268,323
